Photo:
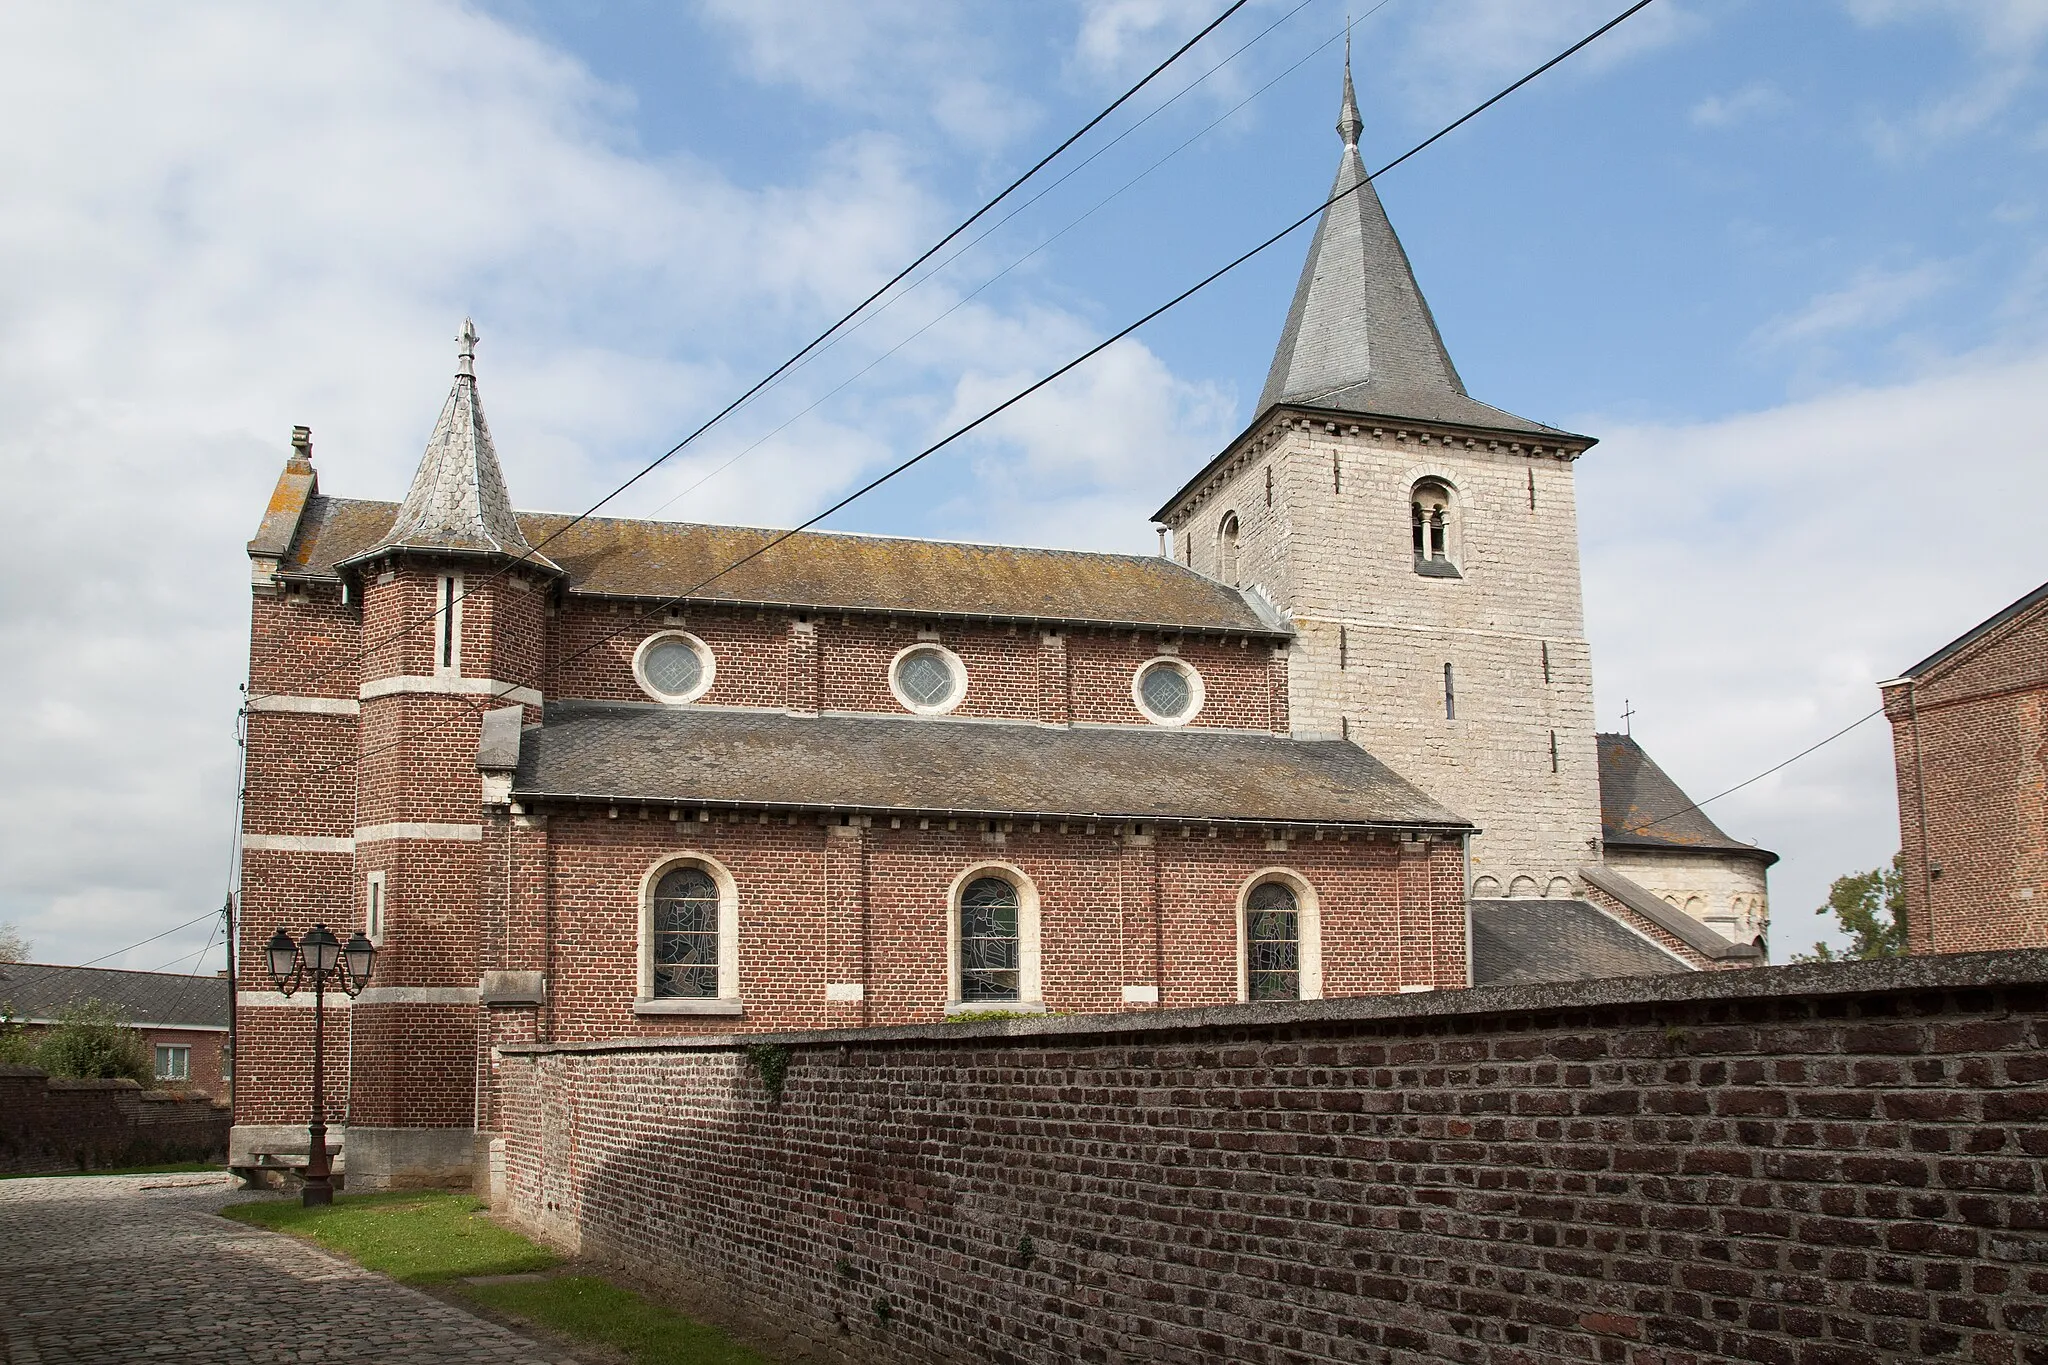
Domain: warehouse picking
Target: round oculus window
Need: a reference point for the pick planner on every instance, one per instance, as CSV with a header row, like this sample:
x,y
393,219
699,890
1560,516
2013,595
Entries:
x,y
674,667
927,679
1168,691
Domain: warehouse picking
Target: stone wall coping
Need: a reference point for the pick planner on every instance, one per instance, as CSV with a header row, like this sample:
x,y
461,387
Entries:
x,y
1956,971
109,1083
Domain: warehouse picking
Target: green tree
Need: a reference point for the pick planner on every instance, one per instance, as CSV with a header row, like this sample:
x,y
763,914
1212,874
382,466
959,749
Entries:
x,y
91,1041
1871,908
17,1048
13,947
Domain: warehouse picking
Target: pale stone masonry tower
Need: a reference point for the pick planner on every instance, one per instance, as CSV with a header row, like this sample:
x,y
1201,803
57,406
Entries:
x,y
1424,546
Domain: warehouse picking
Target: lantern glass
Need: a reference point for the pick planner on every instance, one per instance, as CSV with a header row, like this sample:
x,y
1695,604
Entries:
x,y
361,955
321,951
281,953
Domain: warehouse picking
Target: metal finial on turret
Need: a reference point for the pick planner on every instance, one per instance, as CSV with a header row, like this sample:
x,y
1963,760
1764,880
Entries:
x,y
1349,125
465,359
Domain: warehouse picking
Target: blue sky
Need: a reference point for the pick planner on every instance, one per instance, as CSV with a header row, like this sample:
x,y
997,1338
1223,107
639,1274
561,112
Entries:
x,y
1788,260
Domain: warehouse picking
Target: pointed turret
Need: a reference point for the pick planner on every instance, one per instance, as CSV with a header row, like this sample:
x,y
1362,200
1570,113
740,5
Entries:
x,y
1359,335
457,502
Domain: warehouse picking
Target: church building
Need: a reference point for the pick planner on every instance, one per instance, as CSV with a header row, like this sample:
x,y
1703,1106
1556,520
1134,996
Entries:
x,y
584,779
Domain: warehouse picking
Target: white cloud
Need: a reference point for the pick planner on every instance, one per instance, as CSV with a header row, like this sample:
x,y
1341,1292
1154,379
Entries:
x,y
2005,37
1751,101
1875,297
1456,51
1749,581
221,221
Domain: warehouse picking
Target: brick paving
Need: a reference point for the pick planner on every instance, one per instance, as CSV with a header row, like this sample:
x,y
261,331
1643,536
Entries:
x,y
107,1269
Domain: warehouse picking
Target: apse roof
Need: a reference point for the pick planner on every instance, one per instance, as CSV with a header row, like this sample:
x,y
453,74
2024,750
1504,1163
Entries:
x,y
644,752
1641,807
1519,941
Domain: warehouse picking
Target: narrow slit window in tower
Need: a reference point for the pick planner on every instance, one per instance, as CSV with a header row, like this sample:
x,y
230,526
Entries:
x,y
1546,661
449,599
1450,696
1553,751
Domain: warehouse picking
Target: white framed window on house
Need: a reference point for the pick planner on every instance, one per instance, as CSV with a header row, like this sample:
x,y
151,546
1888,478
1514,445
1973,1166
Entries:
x,y
689,938
1280,938
1167,690
928,679
373,907
674,666
173,1062
994,948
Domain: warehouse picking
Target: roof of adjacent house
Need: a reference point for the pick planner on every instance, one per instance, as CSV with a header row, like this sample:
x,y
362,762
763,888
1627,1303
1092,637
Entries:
x,y
1641,807
42,991
645,752
1558,940
829,571
1978,632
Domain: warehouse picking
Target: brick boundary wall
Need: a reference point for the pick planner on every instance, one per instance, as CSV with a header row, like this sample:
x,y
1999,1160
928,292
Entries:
x,y
1810,1165
48,1124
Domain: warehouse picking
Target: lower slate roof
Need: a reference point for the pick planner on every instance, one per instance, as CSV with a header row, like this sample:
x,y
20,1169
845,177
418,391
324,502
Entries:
x,y
642,751
1531,940
1642,808
831,571
35,990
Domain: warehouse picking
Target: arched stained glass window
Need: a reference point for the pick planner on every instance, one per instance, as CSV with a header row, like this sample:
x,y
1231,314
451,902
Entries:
x,y
989,959
686,935
1272,943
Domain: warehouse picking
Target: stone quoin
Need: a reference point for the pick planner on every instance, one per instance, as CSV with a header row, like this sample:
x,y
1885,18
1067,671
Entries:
x,y
599,779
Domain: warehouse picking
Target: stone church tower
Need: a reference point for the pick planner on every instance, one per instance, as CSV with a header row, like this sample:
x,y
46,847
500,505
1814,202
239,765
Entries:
x,y
1423,545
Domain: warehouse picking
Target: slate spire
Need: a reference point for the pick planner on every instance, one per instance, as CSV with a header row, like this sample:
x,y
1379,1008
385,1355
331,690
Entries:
x,y
1359,335
457,501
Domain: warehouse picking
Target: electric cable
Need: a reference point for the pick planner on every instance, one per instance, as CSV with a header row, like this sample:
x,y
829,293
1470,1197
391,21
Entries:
x,y
815,342
1869,715
151,939
478,704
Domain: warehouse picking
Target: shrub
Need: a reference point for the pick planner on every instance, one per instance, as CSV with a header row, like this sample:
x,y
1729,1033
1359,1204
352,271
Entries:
x,y
91,1041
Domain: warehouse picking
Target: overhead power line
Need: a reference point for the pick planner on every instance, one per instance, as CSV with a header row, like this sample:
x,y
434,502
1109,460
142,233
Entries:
x,y
152,938
773,375
477,705
1638,829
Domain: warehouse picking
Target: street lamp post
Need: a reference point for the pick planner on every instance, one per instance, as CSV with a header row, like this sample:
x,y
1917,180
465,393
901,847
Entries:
x,y
320,957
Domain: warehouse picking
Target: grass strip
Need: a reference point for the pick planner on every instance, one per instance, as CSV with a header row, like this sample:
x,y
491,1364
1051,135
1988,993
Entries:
x,y
167,1168
415,1237
591,1309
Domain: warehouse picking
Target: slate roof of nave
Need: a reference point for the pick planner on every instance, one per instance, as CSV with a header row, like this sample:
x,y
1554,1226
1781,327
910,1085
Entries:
x,y
642,751
1642,808
831,571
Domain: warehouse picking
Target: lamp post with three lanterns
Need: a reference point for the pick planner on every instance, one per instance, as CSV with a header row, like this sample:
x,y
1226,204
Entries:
x,y
319,957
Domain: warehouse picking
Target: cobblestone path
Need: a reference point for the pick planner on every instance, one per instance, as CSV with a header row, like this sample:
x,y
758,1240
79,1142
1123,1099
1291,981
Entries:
x,y
107,1269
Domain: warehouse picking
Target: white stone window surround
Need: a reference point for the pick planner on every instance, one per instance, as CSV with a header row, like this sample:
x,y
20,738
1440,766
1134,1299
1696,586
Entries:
x,y
1454,516
374,907
728,1000
1309,928
707,667
448,627
1229,532
1030,986
1197,694
954,664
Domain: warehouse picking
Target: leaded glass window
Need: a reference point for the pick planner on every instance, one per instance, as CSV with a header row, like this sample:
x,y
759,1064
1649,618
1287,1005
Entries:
x,y
673,668
686,935
989,965
1272,943
926,678
1166,691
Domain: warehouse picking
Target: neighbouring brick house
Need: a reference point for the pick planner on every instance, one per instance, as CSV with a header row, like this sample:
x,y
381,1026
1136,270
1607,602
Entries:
x,y
183,1019
595,778
1970,748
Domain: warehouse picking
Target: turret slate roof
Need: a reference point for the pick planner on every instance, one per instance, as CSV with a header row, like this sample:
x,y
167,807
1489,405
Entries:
x,y
457,501
1642,808
1561,940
